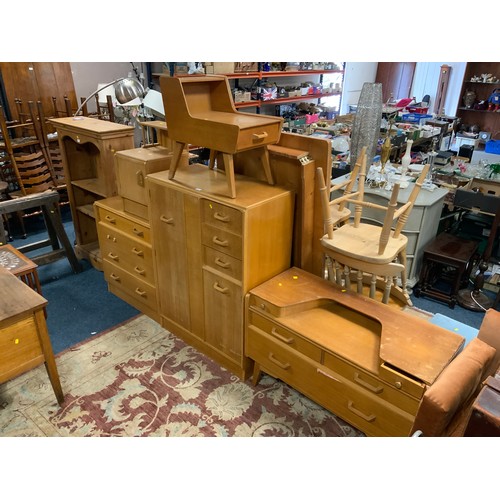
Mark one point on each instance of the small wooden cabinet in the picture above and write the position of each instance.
(210, 250)
(487, 120)
(127, 256)
(345, 351)
(88, 146)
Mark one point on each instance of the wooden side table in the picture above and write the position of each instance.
(19, 265)
(447, 258)
(24, 338)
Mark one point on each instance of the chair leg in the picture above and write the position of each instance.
(264, 158)
(211, 161)
(229, 169)
(176, 159)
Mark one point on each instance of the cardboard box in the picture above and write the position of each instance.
(221, 68)
(246, 67)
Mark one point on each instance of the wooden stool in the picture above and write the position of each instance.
(447, 258)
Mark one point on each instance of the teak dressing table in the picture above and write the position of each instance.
(368, 363)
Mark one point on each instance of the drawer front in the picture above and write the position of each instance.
(406, 384)
(259, 136)
(223, 263)
(221, 216)
(357, 406)
(138, 288)
(372, 415)
(285, 336)
(372, 384)
(127, 253)
(129, 227)
(223, 241)
(18, 344)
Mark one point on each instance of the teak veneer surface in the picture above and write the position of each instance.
(16, 298)
(90, 126)
(354, 325)
(202, 180)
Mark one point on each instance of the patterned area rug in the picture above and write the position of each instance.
(140, 380)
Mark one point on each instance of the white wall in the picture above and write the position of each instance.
(426, 80)
(87, 75)
(354, 76)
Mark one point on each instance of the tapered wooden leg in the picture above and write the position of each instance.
(229, 168)
(211, 161)
(256, 374)
(176, 158)
(264, 158)
(50, 363)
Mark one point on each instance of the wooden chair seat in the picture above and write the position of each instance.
(365, 252)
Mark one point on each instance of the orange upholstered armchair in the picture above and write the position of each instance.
(446, 406)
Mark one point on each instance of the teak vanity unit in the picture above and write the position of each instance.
(368, 363)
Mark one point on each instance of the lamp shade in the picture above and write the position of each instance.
(106, 90)
(128, 89)
(154, 101)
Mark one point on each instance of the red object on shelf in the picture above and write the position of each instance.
(402, 103)
(416, 109)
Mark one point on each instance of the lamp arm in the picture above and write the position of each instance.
(96, 92)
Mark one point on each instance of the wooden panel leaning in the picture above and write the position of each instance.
(200, 111)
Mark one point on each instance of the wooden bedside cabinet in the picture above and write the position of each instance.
(127, 255)
(24, 339)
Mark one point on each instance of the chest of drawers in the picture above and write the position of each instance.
(128, 266)
(345, 351)
(210, 250)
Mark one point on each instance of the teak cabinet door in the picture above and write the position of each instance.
(168, 226)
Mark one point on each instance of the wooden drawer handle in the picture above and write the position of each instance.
(112, 238)
(140, 253)
(138, 232)
(368, 418)
(114, 277)
(221, 243)
(140, 271)
(167, 220)
(112, 256)
(283, 366)
(110, 219)
(222, 217)
(140, 292)
(221, 263)
(321, 372)
(220, 289)
(278, 335)
(376, 389)
(260, 136)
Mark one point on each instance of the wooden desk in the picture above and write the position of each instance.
(24, 339)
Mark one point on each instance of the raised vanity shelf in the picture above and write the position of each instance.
(368, 363)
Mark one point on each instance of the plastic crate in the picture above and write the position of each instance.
(492, 147)
(417, 109)
(414, 117)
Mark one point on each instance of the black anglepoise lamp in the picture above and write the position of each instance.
(126, 89)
